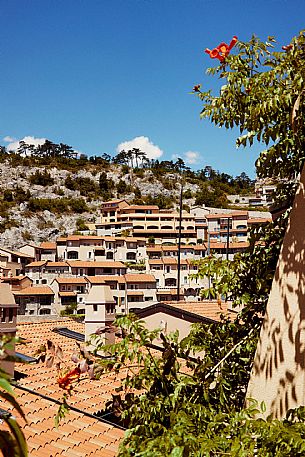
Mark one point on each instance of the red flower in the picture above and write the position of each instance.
(287, 48)
(197, 88)
(222, 50)
(66, 381)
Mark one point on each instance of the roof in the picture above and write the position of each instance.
(38, 263)
(34, 290)
(19, 254)
(100, 293)
(172, 310)
(79, 434)
(87, 264)
(15, 278)
(48, 245)
(209, 309)
(259, 220)
(135, 292)
(139, 278)
(67, 294)
(57, 264)
(6, 295)
(105, 278)
(70, 280)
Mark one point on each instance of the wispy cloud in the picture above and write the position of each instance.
(191, 157)
(9, 139)
(14, 145)
(144, 144)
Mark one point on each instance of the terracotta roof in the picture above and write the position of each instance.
(19, 254)
(67, 294)
(14, 278)
(38, 263)
(104, 264)
(257, 220)
(48, 245)
(169, 248)
(34, 290)
(105, 278)
(70, 280)
(135, 292)
(153, 249)
(169, 260)
(78, 435)
(57, 264)
(200, 247)
(142, 207)
(139, 278)
(209, 309)
(155, 262)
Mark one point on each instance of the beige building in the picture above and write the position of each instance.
(148, 221)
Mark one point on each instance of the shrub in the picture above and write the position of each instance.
(41, 178)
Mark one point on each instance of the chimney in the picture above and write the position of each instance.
(99, 311)
(8, 320)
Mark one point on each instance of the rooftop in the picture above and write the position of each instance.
(80, 434)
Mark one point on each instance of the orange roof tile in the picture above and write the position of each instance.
(48, 245)
(135, 292)
(57, 264)
(87, 264)
(38, 263)
(139, 278)
(35, 290)
(210, 309)
(70, 280)
(78, 434)
(105, 278)
(67, 294)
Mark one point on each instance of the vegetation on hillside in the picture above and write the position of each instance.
(213, 185)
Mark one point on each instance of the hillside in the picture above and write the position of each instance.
(43, 197)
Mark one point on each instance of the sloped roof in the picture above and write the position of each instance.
(139, 278)
(70, 280)
(48, 245)
(104, 264)
(79, 434)
(34, 290)
(38, 263)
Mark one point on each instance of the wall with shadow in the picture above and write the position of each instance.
(278, 374)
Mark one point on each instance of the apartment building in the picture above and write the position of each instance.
(35, 300)
(101, 248)
(129, 291)
(14, 262)
(148, 221)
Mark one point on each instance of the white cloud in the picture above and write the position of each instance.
(9, 139)
(27, 139)
(191, 157)
(144, 144)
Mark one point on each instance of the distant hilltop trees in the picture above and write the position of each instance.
(211, 186)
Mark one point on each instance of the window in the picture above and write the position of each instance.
(72, 255)
(3, 316)
(149, 298)
(95, 307)
(109, 255)
(43, 281)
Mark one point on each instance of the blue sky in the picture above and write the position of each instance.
(95, 74)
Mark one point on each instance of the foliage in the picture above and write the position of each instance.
(177, 405)
(58, 205)
(81, 225)
(41, 178)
